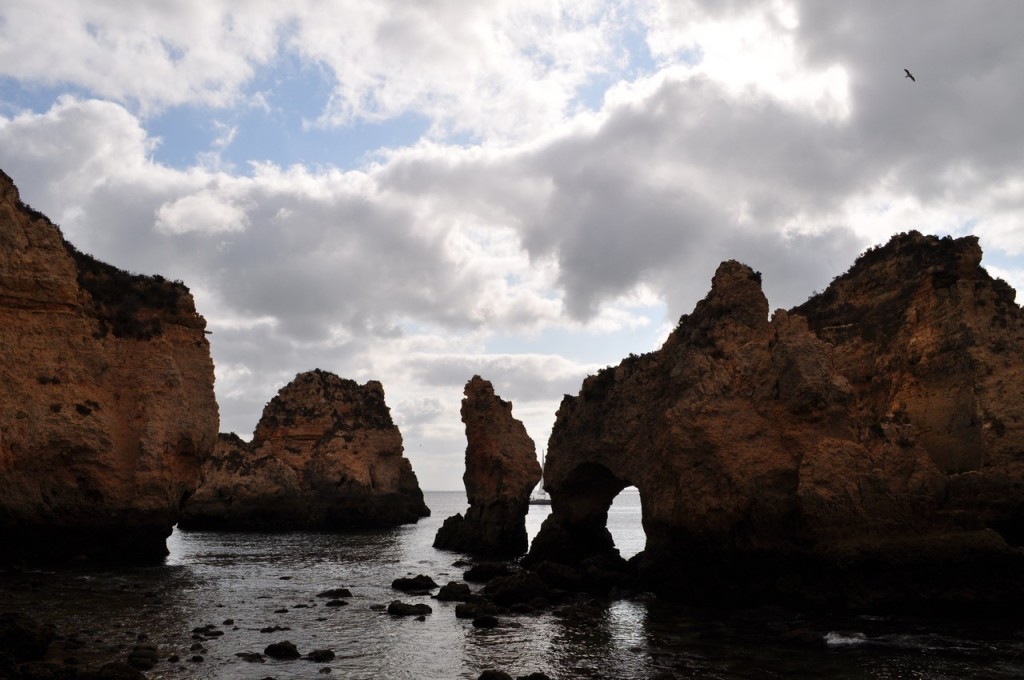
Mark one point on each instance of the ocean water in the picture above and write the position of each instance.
(242, 583)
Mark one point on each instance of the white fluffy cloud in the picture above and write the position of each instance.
(528, 238)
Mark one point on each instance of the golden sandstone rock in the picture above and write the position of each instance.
(107, 398)
(325, 455)
(501, 471)
(864, 448)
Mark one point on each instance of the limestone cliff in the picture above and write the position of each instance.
(501, 471)
(107, 398)
(859, 449)
(325, 455)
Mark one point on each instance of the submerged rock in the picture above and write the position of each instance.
(501, 471)
(862, 449)
(325, 455)
(106, 398)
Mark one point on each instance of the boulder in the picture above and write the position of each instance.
(22, 638)
(106, 398)
(501, 471)
(398, 608)
(860, 450)
(284, 650)
(325, 455)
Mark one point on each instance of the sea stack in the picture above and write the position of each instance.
(501, 471)
(860, 450)
(106, 398)
(325, 456)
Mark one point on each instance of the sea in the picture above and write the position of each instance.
(219, 595)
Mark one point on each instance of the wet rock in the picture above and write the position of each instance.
(420, 582)
(454, 592)
(522, 586)
(251, 657)
(485, 571)
(284, 650)
(534, 676)
(274, 629)
(22, 638)
(494, 675)
(118, 670)
(335, 593)
(477, 606)
(397, 608)
(336, 603)
(143, 657)
(320, 655)
(485, 621)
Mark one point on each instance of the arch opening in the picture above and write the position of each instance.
(625, 522)
(588, 504)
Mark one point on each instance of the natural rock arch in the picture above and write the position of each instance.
(801, 457)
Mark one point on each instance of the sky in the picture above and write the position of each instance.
(525, 190)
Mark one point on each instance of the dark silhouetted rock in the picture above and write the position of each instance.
(283, 650)
(335, 593)
(320, 655)
(485, 571)
(397, 608)
(501, 471)
(22, 638)
(418, 583)
(454, 592)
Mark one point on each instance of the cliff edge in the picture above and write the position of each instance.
(107, 398)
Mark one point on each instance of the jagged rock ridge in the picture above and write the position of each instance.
(107, 398)
(501, 471)
(864, 448)
(325, 455)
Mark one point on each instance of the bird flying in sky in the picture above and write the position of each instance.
(909, 75)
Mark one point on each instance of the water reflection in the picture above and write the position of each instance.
(258, 582)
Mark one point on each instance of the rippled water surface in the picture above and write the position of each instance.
(258, 581)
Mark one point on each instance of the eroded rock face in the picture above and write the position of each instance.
(501, 471)
(857, 450)
(325, 455)
(107, 398)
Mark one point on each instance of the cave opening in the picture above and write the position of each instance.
(602, 511)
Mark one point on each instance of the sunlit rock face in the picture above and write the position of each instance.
(325, 455)
(107, 398)
(863, 449)
(501, 471)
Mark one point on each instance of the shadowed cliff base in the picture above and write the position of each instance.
(862, 450)
(325, 456)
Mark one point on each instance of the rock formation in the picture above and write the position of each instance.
(107, 398)
(501, 470)
(325, 455)
(863, 449)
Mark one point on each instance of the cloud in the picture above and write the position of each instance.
(536, 229)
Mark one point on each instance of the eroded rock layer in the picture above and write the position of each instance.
(325, 455)
(107, 398)
(863, 449)
(501, 471)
